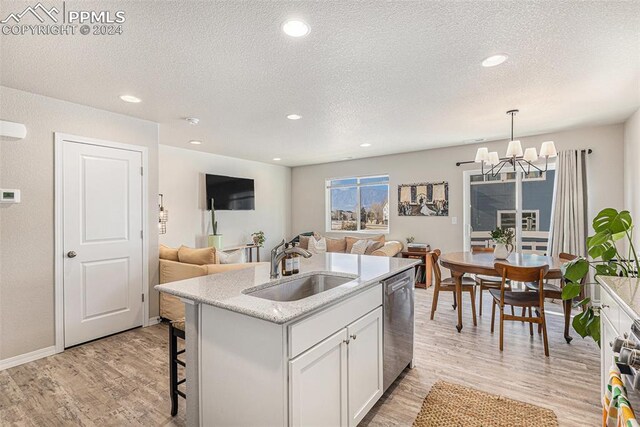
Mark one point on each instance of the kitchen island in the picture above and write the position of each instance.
(261, 352)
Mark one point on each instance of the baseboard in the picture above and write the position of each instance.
(153, 321)
(27, 357)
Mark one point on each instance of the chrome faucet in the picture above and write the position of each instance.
(277, 256)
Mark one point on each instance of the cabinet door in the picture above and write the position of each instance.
(364, 364)
(318, 384)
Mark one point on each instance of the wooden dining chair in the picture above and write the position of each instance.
(487, 282)
(554, 291)
(449, 284)
(529, 300)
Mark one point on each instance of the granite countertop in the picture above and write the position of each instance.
(626, 291)
(228, 290)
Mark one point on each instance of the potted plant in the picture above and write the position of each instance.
(611, 228)
(215, 239)
(503, 238)
(258, 238)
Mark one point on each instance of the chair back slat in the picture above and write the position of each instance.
(481, 249)
(437, 274)
(523, 274)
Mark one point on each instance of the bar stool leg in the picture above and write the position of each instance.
(173, 370)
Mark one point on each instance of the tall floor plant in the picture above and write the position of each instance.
(612, 229)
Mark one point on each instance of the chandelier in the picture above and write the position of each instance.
(514, 157)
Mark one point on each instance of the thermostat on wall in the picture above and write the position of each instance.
(9, 196)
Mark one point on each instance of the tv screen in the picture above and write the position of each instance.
(229, 193)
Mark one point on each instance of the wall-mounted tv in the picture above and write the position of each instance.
(229, 193)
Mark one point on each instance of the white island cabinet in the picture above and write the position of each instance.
(310, 361)
(322, 370)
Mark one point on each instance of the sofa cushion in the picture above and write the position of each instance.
(172, 271)
(351, 240)
(168, 253)
(304, 242)
(197, 256)
(336, 245)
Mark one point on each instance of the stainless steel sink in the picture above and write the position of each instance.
(297, 289)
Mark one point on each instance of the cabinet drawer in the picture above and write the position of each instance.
(310, 331)
(610, 308)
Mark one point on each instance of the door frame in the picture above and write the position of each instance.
(59, 140)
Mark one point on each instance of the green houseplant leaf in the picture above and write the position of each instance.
(610, 226)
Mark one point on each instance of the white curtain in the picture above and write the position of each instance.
(569, 211)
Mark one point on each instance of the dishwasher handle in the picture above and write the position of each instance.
(397, 285)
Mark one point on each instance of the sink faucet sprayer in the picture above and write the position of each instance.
(277, 256)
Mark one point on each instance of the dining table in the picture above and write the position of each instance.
(461, 263)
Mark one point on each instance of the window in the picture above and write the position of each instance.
(358, 204)
(513, 200)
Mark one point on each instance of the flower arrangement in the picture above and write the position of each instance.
(503, 235)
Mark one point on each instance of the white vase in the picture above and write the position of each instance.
(502, 251)
(215, 241)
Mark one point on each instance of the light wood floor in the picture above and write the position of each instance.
(123, 380)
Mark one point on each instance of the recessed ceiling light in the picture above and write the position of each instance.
(294, 117)
(494, 60)
(130, 98)
(347, 158)
(365, 144)
(192, 120)
(277, 159)
(295, 28)
(473, 141)
(195, 142)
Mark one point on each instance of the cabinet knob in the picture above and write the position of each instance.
(604, 306)
(346, 341)
(353, 337)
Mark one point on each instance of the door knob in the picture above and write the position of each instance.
(71, 254)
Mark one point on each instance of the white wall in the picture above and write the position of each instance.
(27, 245)
(632, 172)
(182, 183)
(605, 182)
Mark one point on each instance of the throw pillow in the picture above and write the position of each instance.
(197, 256)
(235, 257)
(352, 240)
(168, 253)
(360, 247)
(373, 246)
(317, 246)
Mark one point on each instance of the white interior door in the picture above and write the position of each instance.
(102, 227)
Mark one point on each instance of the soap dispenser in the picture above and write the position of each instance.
(296, 262)
(287, 263)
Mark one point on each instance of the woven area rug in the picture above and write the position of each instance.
(455, 405)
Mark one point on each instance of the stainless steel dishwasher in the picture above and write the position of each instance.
(397, 325)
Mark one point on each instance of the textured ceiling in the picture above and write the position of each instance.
(402, 76)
